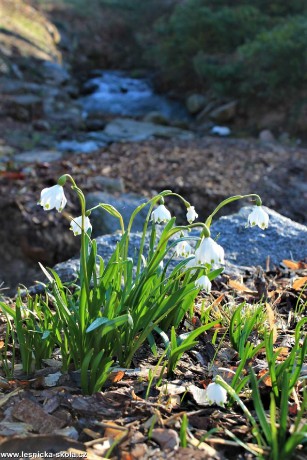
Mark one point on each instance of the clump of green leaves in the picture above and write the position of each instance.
(271, 428)
(102, 318)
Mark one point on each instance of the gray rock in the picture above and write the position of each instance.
(11, 86)
(54, 73)
(266, 136)
(126, 203)
(100, 137)
(195, 103)
(244, 247)
(225, 112)
(107, 184)
(38, 156)
(25, 107)
(156, 117)
(283, 239)
(79, 147)
(125, 129)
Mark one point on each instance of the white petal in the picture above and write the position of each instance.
(209, 252)
(191, 214)
(183, 249)
(203, 283)
(161, 214)
(258, 217)
(76, 225)
(53, 197)
(216, 394)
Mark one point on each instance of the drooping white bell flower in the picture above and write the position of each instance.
(53, 197)
(76, 225)
(216, 394)
(203, 283)
(209, 252)
(183, 249)
(161, 214)
(193, 263)
(191, 214)
(259, 217)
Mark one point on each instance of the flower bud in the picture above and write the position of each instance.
(62, 180)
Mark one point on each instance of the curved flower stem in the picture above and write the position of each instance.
(83, 256)
(111, 210)
(185, 202)
(150, 202)
(230, 200)
(138, 268)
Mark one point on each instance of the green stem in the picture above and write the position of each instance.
(151, 202)
(83, 255)
(230, 200)
(218, 379)
(105, 206)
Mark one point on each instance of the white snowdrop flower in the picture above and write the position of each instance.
(203, 283)
(209, 252)
(191, 214)
(183, 249)
(53, 197)
(216, 394)
(161, 214)
(76, 225)
(258, 217)
(193, 263)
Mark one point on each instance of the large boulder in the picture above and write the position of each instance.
(283, 239)
(27, 38)
(244, 247)
(125, 129)
(125, 203)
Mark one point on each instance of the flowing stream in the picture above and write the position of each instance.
(115, 93)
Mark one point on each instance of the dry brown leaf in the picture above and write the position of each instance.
(267, 379)
(271, 320)
(115, 431)
(117, 376)
(294, 265)
(299, 283)
(240, 287)
(283, 353)
(32, 413)
(218, 300)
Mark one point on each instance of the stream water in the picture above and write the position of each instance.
(116, 93)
